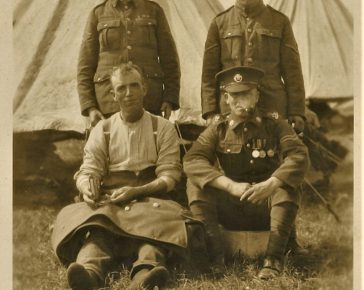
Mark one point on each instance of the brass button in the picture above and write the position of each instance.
(98, 79)
(129, 47)
(251, 161)
(229, 33)
(248, 145)
(156, 204)
(127, 208)
(245, 129)
(228, 150)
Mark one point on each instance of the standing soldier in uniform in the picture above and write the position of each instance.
(119, 31)
(262, 163)
(252, 34)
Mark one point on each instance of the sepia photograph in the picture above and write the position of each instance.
(183, 144)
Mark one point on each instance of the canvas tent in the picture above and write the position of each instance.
(47, 36)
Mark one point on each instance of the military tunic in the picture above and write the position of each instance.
(260, 37)
(250, 151)
(136, 31)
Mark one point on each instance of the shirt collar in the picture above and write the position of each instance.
(250, 11)
(255, 119)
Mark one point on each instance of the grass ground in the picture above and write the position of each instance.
(329, 265)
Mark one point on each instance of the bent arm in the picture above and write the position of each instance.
(210, 67)
(87, 64)
(295, 160)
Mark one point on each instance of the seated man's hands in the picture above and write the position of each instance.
(237, 189)
(95, 116)
(257, 193)
(125, 194)
(90, 195)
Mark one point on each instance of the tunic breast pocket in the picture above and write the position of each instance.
(231, 45)
(269, 42)
(109, 34)
(229, 148)
(146, 31)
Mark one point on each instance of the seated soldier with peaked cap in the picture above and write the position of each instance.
(131, 161)
(262, 162)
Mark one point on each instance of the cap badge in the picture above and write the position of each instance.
(238, 78)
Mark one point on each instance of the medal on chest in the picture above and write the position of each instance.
(270, 153)
(255, 152)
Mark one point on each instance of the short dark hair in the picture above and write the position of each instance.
(125, 68)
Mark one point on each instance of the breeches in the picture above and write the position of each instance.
(236, 215)
(103, 251)
(276, 214)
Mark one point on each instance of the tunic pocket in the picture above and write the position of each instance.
(109, 34)
(269, 44)
(231, 44)
(145, 29)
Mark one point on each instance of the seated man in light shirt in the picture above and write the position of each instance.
(131, 162)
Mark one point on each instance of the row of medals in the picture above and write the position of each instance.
(258, 151)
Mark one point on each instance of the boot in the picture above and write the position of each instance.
(272, 267)
(293, 246)
(81, 279)
(147, 279)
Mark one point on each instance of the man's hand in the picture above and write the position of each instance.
(87, 194)
(210, 118)
(125, 194)
(312, 118)
(297, 123)
(95, 116)
(166, 110)
(257, 193)
(237, 189)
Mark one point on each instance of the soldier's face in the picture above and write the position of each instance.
(129, 91)
(247, 2)
(242, 104)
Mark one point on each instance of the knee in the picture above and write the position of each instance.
(203, 211)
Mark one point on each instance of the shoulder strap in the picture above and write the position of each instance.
(106, 128)
(155, 128)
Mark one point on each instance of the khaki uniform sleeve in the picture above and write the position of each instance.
(169, 160)
(87, 64)
(210, 67)
(295, 160)
(199, 161)
(292, 72)
(169, 61)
